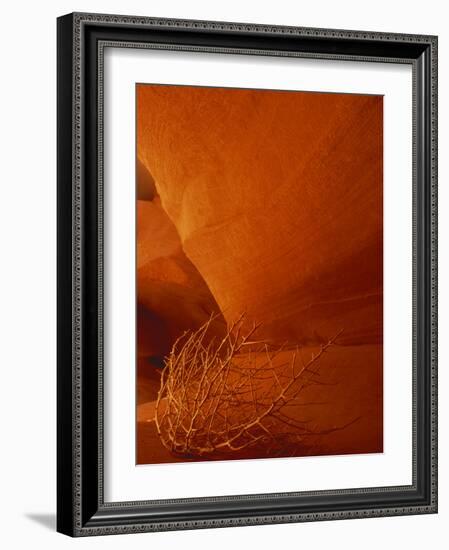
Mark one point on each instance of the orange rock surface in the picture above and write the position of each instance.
(277, 199)
(172, 295)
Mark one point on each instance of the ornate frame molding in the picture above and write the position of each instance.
(75, 502)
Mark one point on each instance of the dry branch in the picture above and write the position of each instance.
(228, 395)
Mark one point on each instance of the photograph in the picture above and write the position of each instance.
(247, 256)
(222, 304)
(259, 273)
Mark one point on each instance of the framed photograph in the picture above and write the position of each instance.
(247, 279)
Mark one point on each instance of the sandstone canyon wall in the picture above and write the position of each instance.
(265, 203)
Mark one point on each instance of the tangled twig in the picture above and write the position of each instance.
(224, 396)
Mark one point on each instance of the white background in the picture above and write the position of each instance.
(27, 229)
(123, 480)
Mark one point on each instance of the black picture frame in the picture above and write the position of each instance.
(81, 509)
